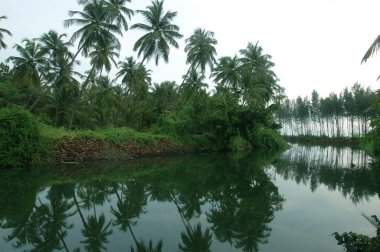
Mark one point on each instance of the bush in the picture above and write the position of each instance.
(264, 138)
(19, 138)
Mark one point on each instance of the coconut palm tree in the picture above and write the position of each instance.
(227, 72)
(118, 12)
(2, 31)
(27, 65)
(200, 49)
(27, 69)
(161, 33)
(96, 28)
(193, 84)
(135, 77)
(104, 54)
(372, 49)
(258, 67)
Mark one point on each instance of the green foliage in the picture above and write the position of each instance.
(177, 125)
(354, 242)
(43, 79)
(118, 136)
(19, 138)
(264, 138)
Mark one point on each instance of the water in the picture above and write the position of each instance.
(286, 202)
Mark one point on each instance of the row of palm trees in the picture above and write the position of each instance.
(345, 114)
(43, 76)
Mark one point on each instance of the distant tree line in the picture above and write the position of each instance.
(346, 114)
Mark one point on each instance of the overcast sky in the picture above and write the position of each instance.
(315, 44)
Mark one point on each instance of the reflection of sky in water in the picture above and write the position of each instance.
(305, 223)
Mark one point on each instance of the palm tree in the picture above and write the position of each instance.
(193, 84)
(258, 68)
(2, 31)
(118, 11)
(27, 65)
(96, 28)
(200, 49)
(103, 55)
(27, 68)
(135, 77)
(372, 49)
(226, 73)
(160, 33)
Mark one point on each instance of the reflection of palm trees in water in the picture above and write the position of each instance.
(131, 201)
(95, 230)
(194, 240)
(46, 226)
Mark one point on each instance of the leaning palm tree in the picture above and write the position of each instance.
(161, 33)
(2, 31)
(102, 56)
(372, 49)
(200, 49)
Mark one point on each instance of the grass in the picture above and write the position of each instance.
(117, 136)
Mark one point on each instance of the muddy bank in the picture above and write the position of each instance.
(81, 149)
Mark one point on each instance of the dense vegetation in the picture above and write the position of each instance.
(44, 79)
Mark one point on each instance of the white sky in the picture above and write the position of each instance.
(315, 44)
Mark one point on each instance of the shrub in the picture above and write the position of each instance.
(269, 139)
(19, 138)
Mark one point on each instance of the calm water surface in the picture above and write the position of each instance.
(292, 201)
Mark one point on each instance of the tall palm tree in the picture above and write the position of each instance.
(27, 70)
(2, 31)
(95, 29)
(103, 55)
(161, 33)
(200, 49)
(54, 46)
(28, 64)
(135, 77)
(118, 12)
(193, 84)
(257, 67)
(226, 73)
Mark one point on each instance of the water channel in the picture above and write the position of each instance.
(291, 201)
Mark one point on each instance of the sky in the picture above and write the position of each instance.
(315, 44)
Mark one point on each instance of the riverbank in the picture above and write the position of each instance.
(116, 144)
(353, 142)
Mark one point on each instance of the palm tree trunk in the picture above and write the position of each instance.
(85, 83)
